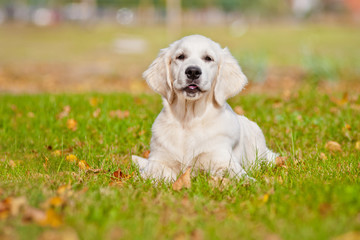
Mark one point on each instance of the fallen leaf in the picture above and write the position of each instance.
(56, 202)
(333, 146)
(65, 112)
(342, 101)
(56, 153)
(280, 161)
(119, 175)
(265, 198)
(119, 114)
(30, 115)
(183, 181)
(357, 145)
(197, 234)
(71, 124)
(94, 101)
(61, 234)
(354, 235)
(323, 156)
(239, 110)
(12, 163)
(33, 215)
(146, 154)
(71, 158)
(52, 219)
(96, 113)
(11, 206)
(83, 165)
(63, 190)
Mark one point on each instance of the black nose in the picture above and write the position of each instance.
(193, 72)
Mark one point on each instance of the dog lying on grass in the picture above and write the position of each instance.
(197, 128)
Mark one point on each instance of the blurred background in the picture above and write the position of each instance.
(105, 45)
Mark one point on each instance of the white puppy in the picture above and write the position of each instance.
(196, 127)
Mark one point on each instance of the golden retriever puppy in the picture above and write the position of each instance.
(197, 128)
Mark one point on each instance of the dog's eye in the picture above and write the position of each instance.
(208, 59)
(181, 57)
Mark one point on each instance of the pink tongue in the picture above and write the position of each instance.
(192, 86)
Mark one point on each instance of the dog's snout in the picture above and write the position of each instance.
(193, 72)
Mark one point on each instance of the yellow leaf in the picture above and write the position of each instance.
(71, 124)
(183, 181)
(56, 153)
(83, 165)
(94, 101)
(333, 146)
(63, 189)
(357, 145)
(52, 219)
(71, 158)
(265, 198)
(355, 235)
(56, 201)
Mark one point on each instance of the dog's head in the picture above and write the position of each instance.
(194, 66)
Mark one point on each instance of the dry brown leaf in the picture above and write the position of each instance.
(83, 165)
(280, 161)
(119, 114)
(65, 112)
(239, 110)
(71, 124)
(61, 234)
(12, 163)
(323, 156)
(184, 181)
(30, 115)
(33, 215)
(146, 154)
(11, 206)
(197, 234)
(333, 146)
(71, 158)
(119, 177)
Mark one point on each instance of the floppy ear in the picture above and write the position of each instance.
(158, 76)
(230, 80)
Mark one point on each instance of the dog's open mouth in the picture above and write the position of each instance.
(192, 88)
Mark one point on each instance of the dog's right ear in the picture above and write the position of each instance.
(158, 75)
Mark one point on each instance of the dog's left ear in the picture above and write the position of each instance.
(230, 80)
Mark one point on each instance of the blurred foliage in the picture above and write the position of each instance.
(261, 6)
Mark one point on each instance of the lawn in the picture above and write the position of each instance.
(65, 169)
(315, 195)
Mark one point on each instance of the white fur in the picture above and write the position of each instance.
(200, 130)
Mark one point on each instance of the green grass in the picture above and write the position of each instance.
(310, 199)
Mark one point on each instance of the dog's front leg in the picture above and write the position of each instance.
(150, 168)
